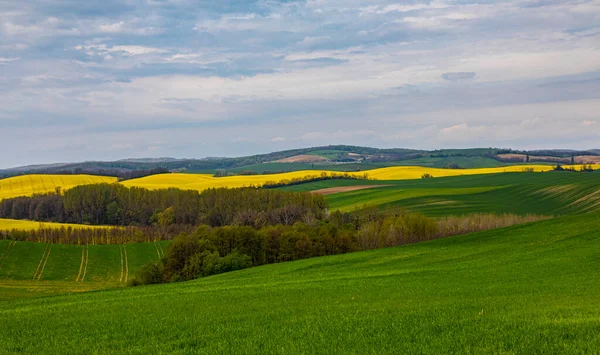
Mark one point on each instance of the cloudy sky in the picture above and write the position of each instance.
(83, 80)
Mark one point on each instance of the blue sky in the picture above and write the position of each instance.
(86, 80)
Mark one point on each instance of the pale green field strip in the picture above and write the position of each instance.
(356, 199)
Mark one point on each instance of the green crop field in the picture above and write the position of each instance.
(38, 269)
(551, 193)
(525, 289)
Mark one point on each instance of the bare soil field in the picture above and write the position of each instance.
(587, 159)
(580, 159)
(335, 190)
(303, 158)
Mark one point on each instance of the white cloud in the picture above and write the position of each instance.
(132, 50)
(4, 60)
(112, 27)
(278, 139)
(374, 9)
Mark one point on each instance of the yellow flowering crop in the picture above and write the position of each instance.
(27, 185)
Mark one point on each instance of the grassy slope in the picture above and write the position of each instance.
(525, 289)
(540, 193)
(18, 267)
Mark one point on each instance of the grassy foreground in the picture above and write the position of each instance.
(526, 289)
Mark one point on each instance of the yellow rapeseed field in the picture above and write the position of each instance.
(415, 172)
(10, 224)
(204, 181)
(28, 185)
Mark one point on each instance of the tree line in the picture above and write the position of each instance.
(314, 178)
(117, 205)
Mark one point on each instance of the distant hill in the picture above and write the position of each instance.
(338, 157)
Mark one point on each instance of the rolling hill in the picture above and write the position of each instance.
(204, 181)
(553, 193)
(333, 157)
(529, 289)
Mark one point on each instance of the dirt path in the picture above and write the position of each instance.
(157, 251)
(37, 270)
(121, 254)
(335, 190)
(45, 262)
(126, 264)
(87, 258)
(82, 262)
(6, 253)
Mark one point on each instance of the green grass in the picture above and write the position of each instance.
(21, 267)
(549, 193)
(525, 290)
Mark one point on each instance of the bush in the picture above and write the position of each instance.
(151, 273)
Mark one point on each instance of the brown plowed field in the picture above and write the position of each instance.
(580, 159)
(335, 190)
(303, 158)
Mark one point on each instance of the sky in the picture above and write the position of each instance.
(105, 80)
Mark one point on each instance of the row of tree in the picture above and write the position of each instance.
(585, 168)
(115, 204)
(97, 236)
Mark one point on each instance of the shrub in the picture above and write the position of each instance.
(151, 273)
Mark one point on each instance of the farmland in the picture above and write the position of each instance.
(554, 193)
(37, 269)
(9, 224)
(204, 181)
(525, 289)
(27, 185)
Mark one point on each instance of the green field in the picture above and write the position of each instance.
(525, 289)
(38, 269)
(552, 193)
